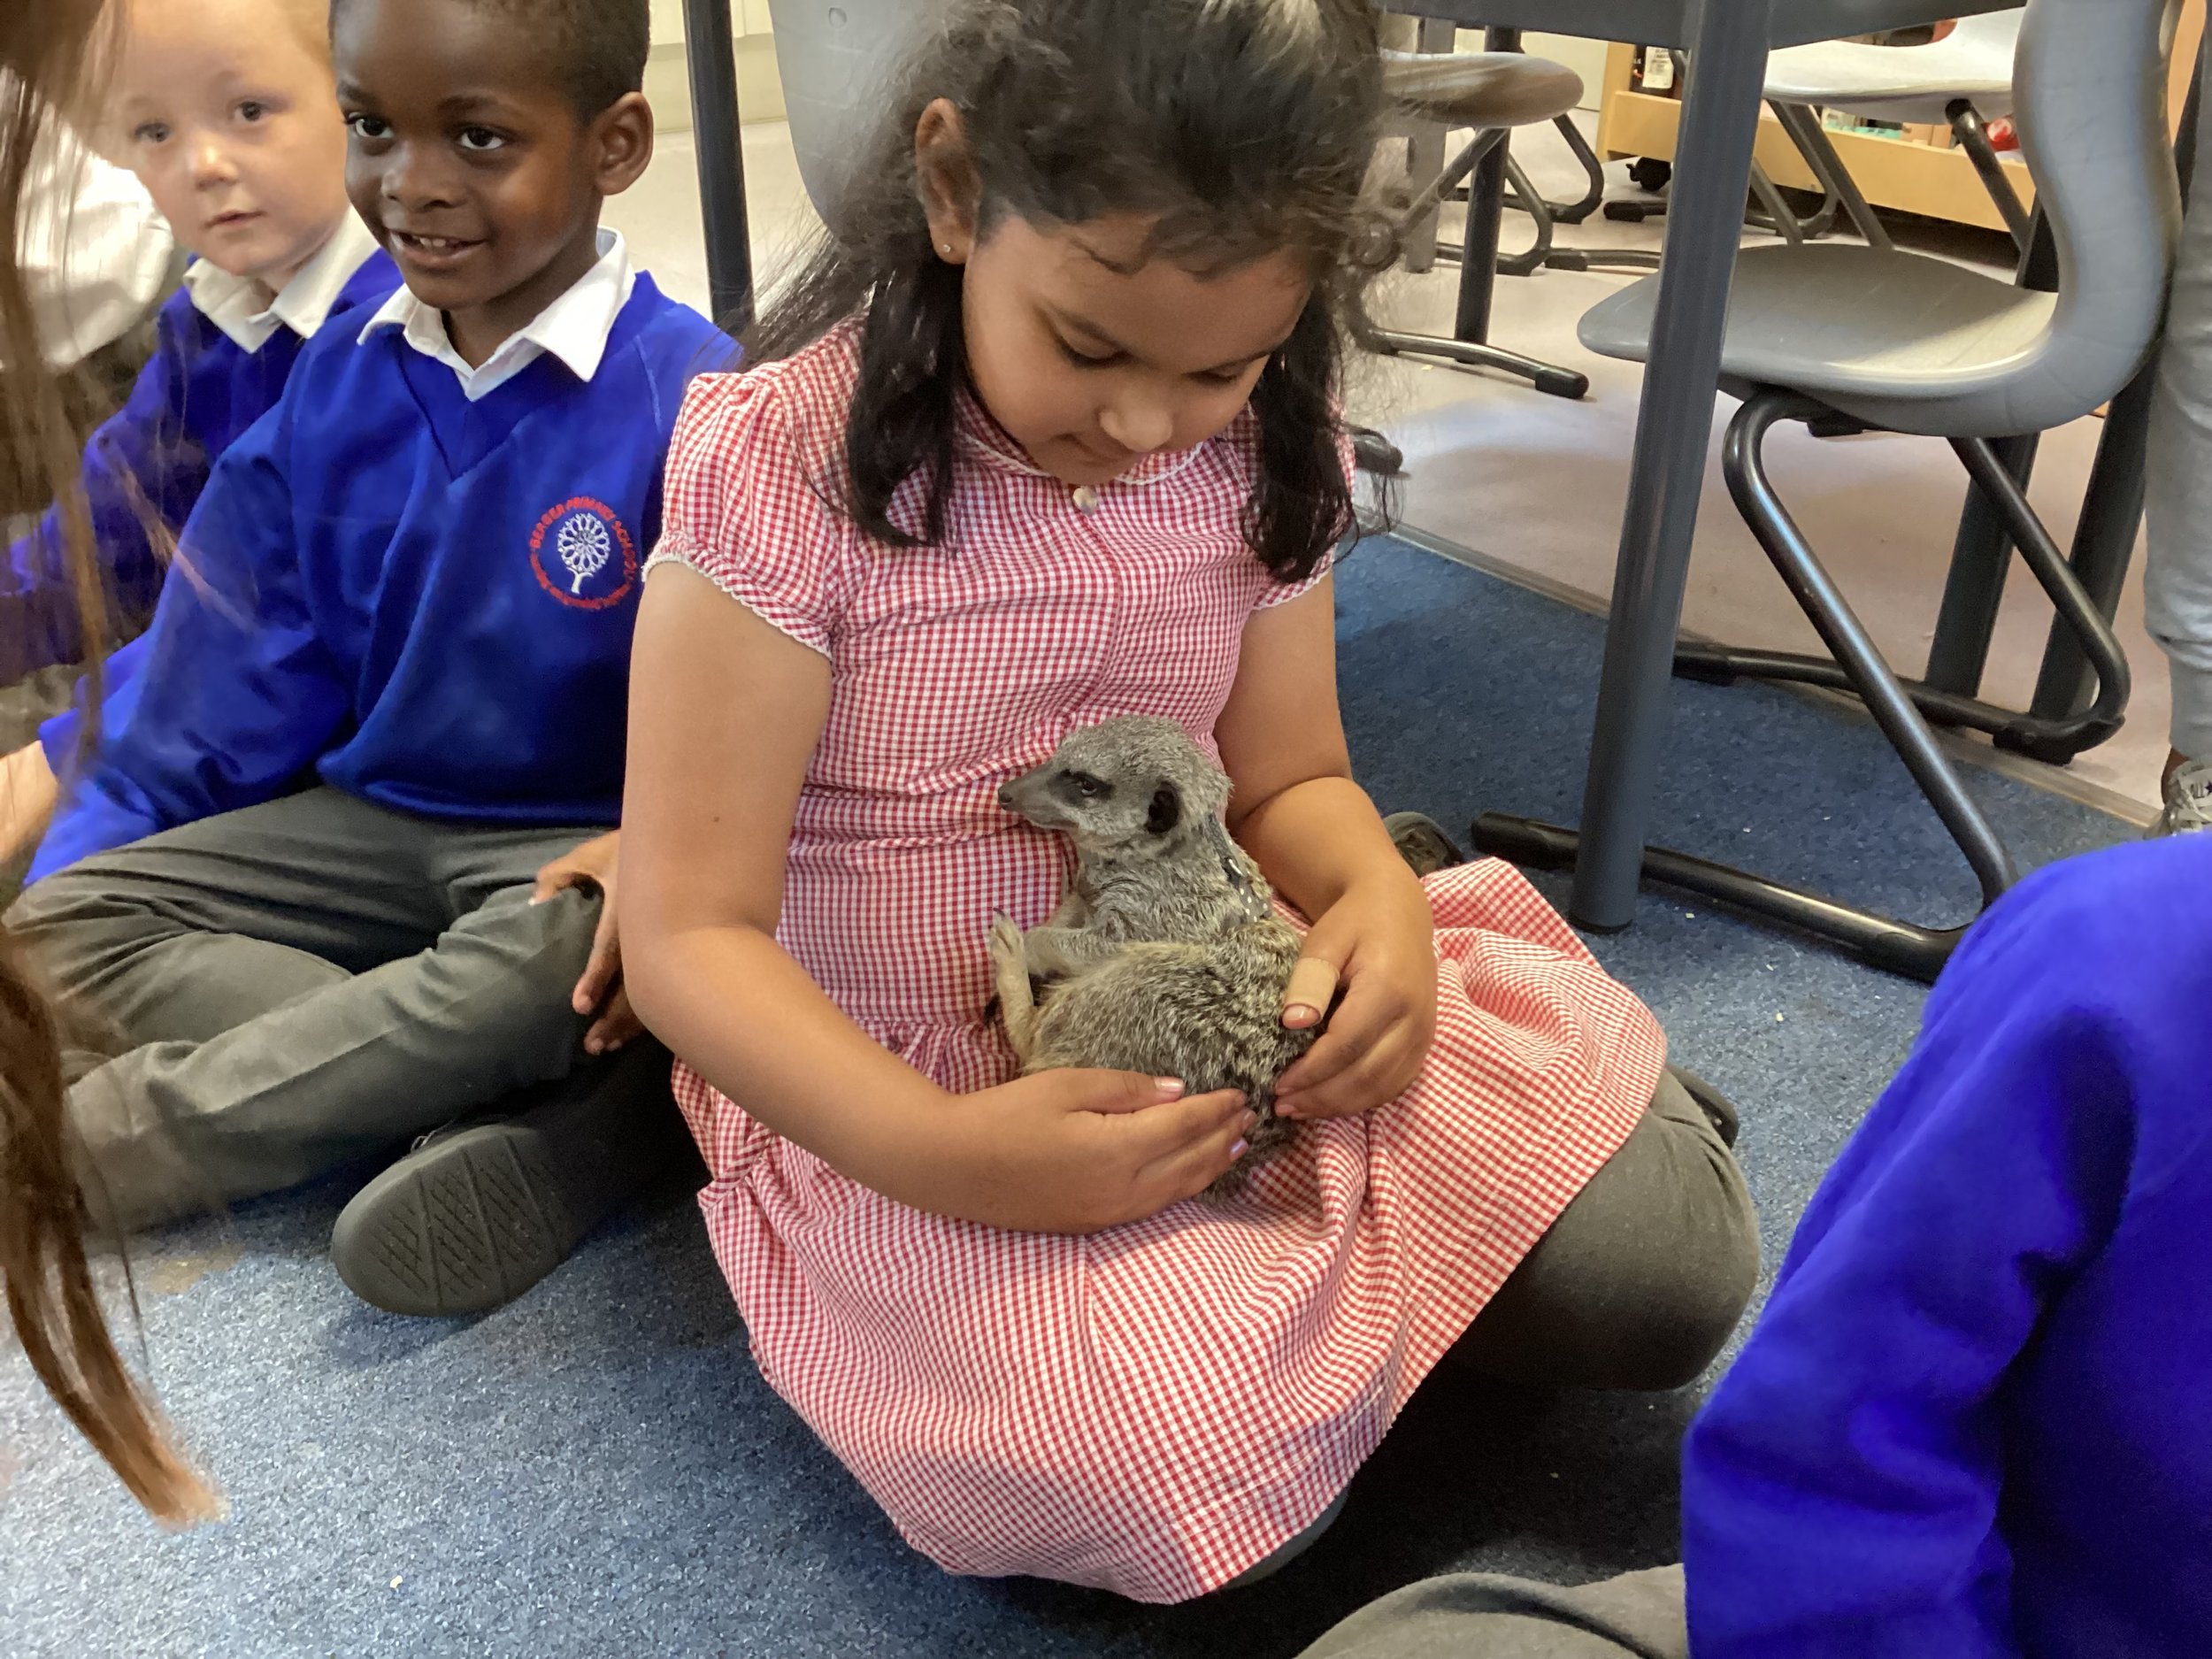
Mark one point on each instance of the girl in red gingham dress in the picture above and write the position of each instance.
(1047, 436)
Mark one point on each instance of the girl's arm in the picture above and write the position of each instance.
(725, 711)
(1319, 841)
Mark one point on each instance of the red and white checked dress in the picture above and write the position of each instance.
(1155, 1409)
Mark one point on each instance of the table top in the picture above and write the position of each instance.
(1668, 22)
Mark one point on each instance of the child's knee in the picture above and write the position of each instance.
(1641, 1281)
(1683, 1284)
(542, 945)
(1686, 1306)
(67, 922)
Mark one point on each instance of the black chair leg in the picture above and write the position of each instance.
(1842, 191)
(1973, 138)
(1468, 347)
(2054, 739)
(1898, 947)
(1527, 198)
(1901, 947)
(1743, 463)
(2042, 737)
(1593, 196)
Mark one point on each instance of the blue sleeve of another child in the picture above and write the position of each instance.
(118, 693)
(138, 464)
(1841, 1493)
(237, 697)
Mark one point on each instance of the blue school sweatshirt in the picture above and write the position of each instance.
(1976, 1418)
(419, 600)
(198, 392)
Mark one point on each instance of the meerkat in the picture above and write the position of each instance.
(1167, 955)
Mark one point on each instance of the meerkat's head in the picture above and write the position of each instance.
(1136, 783)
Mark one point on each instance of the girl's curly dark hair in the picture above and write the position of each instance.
(1240, 128)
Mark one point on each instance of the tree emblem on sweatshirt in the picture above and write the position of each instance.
(584, 547)
(583, 557)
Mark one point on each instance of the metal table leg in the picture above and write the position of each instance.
(1720, 119)
(711, 58)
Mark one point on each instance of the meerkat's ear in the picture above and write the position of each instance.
(1167, 811)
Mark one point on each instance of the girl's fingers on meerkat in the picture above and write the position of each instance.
(1190, 1170)
(1174, 1131)
(1352, 1035)
(1383, 1074)
(1312, 988)
(1097, 1090)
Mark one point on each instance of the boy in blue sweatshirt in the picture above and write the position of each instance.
(232, 123)
(392, 693)
(1975, 1421)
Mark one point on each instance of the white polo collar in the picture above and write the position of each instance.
(241, 307)
(573, 329)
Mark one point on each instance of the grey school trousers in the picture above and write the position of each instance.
(1484, 1616)
(2178, 568)
(1640, 1281)
(256, 999)
(1637, 1286)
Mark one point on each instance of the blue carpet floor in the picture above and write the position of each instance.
(599, 1470)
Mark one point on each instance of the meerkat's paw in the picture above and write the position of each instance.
(1006, 944)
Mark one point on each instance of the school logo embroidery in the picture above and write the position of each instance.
(582, 554)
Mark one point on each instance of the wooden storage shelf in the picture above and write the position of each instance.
(1894, 173)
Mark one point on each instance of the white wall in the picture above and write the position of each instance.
(750, 16)
(760, 93)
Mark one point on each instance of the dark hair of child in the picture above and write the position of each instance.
(1242, 128)
(599, 46)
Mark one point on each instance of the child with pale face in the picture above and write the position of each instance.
(230, 115)
(227, 111)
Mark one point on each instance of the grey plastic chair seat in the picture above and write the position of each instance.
(1915, 84)
(1899, 339)
(1479, 89)
(1915, 344)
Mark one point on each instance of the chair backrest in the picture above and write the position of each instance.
(838, 63)
(1996, 32)
(2090, 79)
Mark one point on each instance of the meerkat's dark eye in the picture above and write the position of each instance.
(1086, 787)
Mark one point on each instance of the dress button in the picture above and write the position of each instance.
(1085, 498)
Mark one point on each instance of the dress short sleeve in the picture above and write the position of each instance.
(748, 505)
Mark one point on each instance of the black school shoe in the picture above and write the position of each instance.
(1421, 841)
(1719, 1110)
(477, 1213)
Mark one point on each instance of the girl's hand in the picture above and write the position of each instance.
(1076, 1151)
(1378, 943)
(600, 991)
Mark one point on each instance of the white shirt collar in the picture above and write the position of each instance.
(235, 304)
(573, 329)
